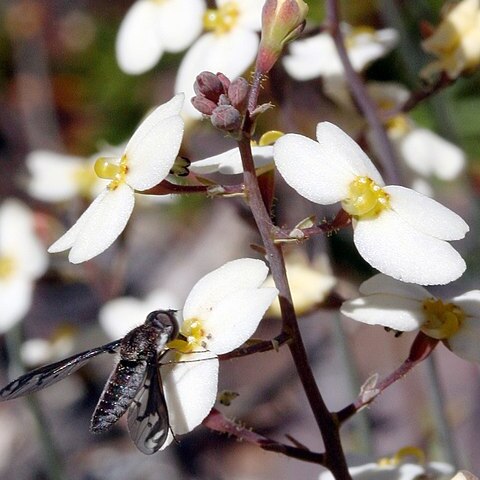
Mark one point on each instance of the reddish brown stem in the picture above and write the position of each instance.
(217, 422)
(421, 348)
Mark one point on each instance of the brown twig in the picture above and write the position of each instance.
(217, 422)
(421, 348)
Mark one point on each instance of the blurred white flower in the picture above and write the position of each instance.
(55, 177)
(397, 230)
(230, 162)
(146, 161)
(317, 56)
(221, 312)
(22, 260)
(456, 41)
(425, 152)
(405, 308)
(120, 315)
(310, 283)
(407, 464)
(229, 46)
(152, 27)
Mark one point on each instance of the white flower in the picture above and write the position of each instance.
(55, 177)
(22, 260)
(310, 283)
(151, 27)
(403, 307)
(425, 152)
(120, 315)
(456, 41)
(228, 47)
(397, 230)
(407, 464)
(317, 56)
(221, 312)
(230, 162)
(146, 161)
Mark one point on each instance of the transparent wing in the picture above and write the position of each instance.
(43, 377)
(148, 415)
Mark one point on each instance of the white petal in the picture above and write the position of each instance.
(15, 300)
(230, 162)
(387, 285)
(231, 54)
(368, 47)
(465, 343)
(313, 57)
(241, 274)
(154, 146)
(18, 239)
(190, 389)
(399, 313)
(314, 175)
(395, 248)
(425, 214)
(250, 13)
(139, 45)
(117, 317)
(469, 302)
(99, 225)
(52, 175)
(180, 23)
(341, 148)
(429, 154)
(235, 318)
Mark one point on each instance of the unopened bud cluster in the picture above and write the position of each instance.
(224, 101)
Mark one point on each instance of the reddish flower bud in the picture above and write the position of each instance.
(238, 93)
(226, 117)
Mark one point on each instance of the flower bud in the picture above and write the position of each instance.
(226, 117)
(207, 84)
(282, 22)
(203, 105)
(238, 93)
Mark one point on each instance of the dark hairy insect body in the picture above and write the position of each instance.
(134, 384)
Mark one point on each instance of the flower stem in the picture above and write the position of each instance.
(329, 428)
(52, 456)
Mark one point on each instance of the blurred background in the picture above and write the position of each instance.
(62, 91)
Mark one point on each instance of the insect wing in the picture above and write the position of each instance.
(43, 377)
(148, 415)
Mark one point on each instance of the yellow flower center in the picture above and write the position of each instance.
(85, 179)
(351, 37)
(401, 455)
(109, 169)
(270, 137)
(398, 125)
(366, 199)
(7, 266)
(441, 320)
(221, 20)
(194, 334)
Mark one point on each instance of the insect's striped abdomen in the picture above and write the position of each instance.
(119, 392)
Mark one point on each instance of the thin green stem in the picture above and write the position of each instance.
(13, 340)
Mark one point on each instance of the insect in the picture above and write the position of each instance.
(134, 384)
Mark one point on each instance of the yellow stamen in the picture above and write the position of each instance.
(221, 20)
(85, 179)
(7, 266)
(108, 168)
(366, 199)
(441, 320)
(351, 37)
(398, 124)
(401, 456)
(270, 137)
(194, 334)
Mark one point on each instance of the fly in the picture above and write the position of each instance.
(134, 384)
